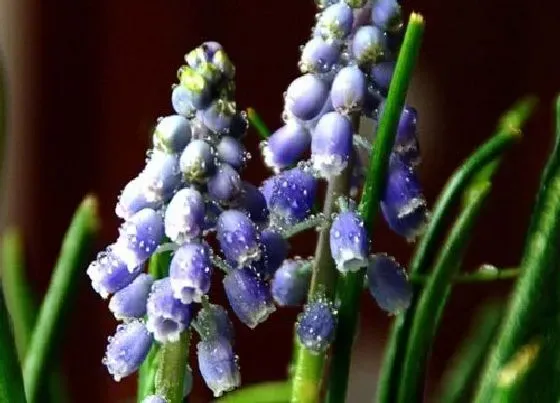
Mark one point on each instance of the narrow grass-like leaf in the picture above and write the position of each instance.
(11, 385)
(508, 133)
(266, 392)
(349, 287)
(22, 307)
(534, 308)
(58, 300)
(256, 121)
(172, 365)
(461, 375)
(437, 289)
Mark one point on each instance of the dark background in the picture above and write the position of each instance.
(87, 80)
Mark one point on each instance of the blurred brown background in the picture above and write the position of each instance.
(87, 80)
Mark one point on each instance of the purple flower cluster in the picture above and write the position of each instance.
(191, 187)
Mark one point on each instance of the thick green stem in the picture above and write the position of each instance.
(350, 286)
(57, 302)
(308, 368)
(437, 289)
(170, 375)
(529, 316)
(267, 392)
(11, 384)
(508, 132)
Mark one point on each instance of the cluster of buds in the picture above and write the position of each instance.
(191, 188)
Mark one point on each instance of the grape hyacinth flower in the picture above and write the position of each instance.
(335, 22)
(253, 202)
(184, 216)
(349, 242)
(403, 205)
(167, 317)
(286, 146)
(139, 237)
(130, 302)
(238, 238)
(290, 195)
(386, 14)
(218, 365)
(274, 249)
(232, 152)
(109, 274)
(290, 283)
(154, 399)
(172, 134)
(248, 296)
(348, 90)
(225, 185)
(368, 45)
(190, 272)
(198, 161)
(213, 321)
(316, 326)
(388, 284)
(305, 97)
(331, 145)
(319, 56)
(127, 349)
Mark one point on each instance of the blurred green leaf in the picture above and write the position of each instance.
(59, 298)
(266, 392)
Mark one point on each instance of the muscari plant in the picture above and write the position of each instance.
(190, 216)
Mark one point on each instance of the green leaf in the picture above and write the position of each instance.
(256, 121)
(432, 298)
(534, 308)
(508, 132)
(350, 286)
(22, 307)
(58, 300)
(462, 373)
(266, 392)
(11, 385)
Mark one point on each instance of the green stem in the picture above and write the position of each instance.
(480, 276)
(22, 307)
(529, 316)
(350, 286)
(308, 370)
(267, 392)
(11, 384)
(507, 134)
(458, 380)
(170, 375)
(317, 221)
(57, 301)
(258, 123)
(157, 268)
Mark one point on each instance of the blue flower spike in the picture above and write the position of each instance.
(315, 327)
(218, 365)
(249, 296)
(349, 242)
(127, 349)
(238, 238)
(130, 302)
(190, 272)
(388, 284)
(291, 282)
(168, 317)
(184, 216)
